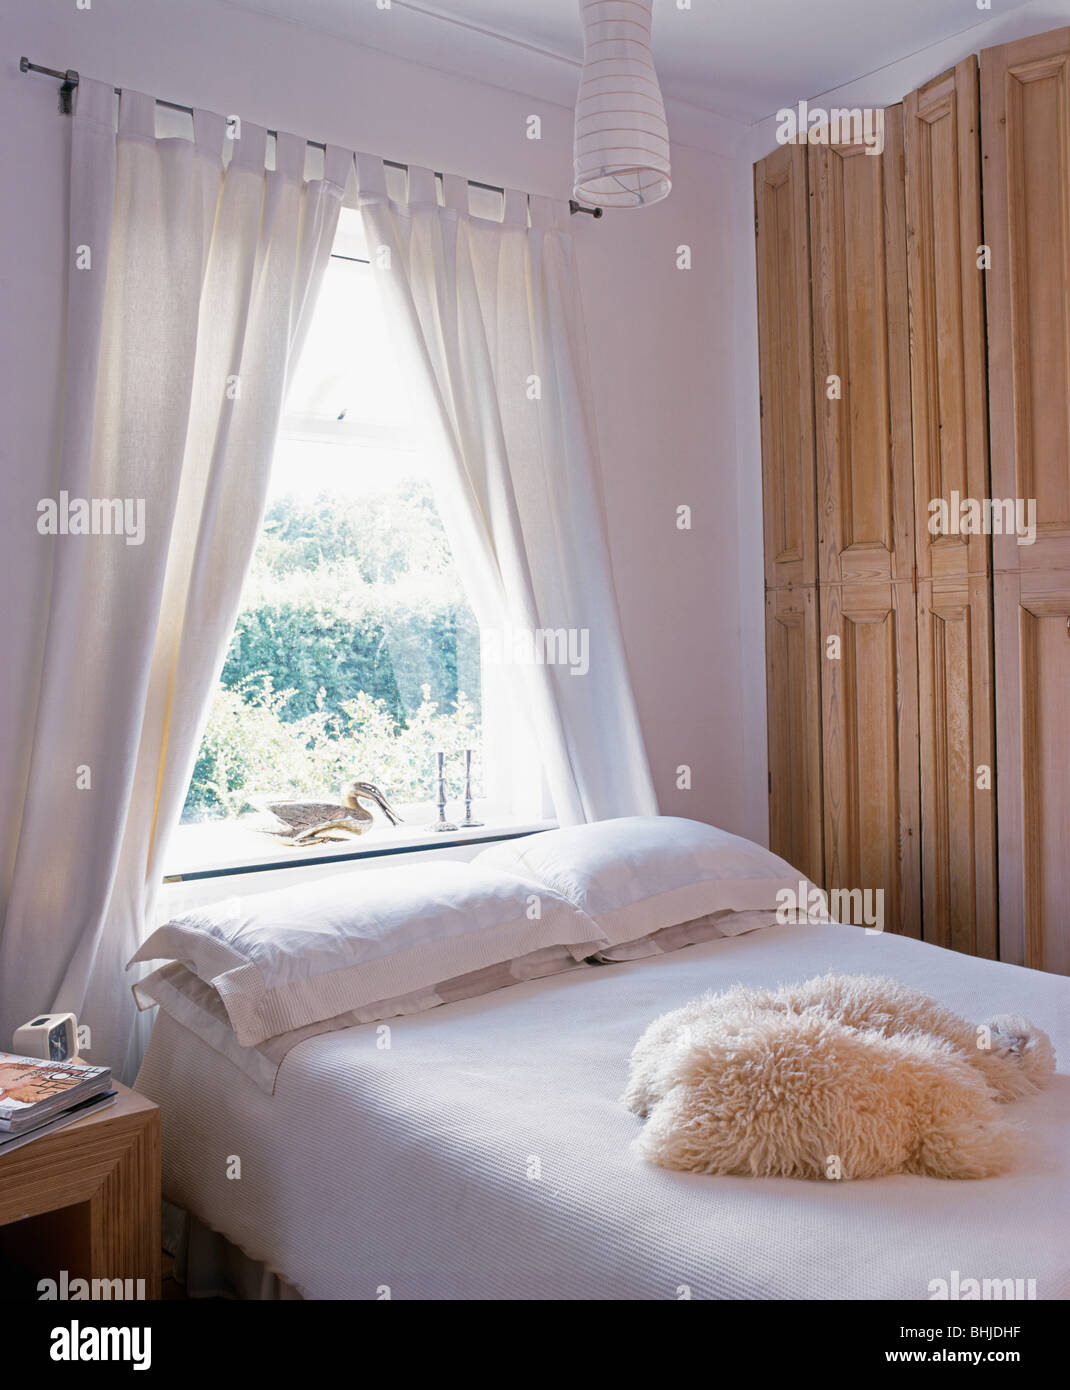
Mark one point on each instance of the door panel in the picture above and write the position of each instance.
(786, 367)
(870, 739)
(790, 509)
(794, 703)
(1025, 94)
(1025, 119)
(869, 691)
(949, 399)
(864, 471)
(957, 746)
(950, 436)
(1044, 683)
(1033, 741)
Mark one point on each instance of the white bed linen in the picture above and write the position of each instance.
(412, 1167)
(360, 937)
(636, 875)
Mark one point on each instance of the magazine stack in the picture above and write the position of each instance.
(37, 1097)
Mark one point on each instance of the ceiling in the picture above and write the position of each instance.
(740, 59)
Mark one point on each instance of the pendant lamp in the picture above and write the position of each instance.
(622, 141)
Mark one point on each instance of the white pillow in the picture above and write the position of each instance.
(714, 926)
(198, 1007)
(639, 874)
(307, 953)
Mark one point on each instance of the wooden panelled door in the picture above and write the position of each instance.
(919, 674)
(1025, 119)
(792, 680)
(949, 408)
(786, 368)
(869, 678)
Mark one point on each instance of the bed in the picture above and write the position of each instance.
(479, 1150)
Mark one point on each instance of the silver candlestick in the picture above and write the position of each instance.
(442, 823)
(468, 823)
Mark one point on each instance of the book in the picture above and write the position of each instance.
(9, 1142)
(32, 1090)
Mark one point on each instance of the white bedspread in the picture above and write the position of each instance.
(484, 1154)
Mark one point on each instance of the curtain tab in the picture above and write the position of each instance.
(337, 163)
(514, 208)
(423, 187)
(371, 179)
(94, 103)
(290, 151)
(137, 115)
(249, 146)
(549, 214)
(455, 192)
(209, 132)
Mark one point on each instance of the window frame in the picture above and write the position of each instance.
(413, 837)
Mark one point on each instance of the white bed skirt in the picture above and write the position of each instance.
(208, 1265)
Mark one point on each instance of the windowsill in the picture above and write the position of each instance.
(218, 849)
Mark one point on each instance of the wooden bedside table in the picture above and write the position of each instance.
(86, 1198)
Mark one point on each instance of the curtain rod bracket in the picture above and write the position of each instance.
(70, 79)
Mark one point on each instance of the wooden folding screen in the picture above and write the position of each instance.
(1025, 114)
(795, 802)
(950, 426)
(914, 352)
(869, 698)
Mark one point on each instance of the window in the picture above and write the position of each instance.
(356, 653)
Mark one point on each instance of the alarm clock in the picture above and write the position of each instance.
(52, 1036)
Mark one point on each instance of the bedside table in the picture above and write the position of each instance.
(86, 1199)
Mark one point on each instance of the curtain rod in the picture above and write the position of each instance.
(70, 80)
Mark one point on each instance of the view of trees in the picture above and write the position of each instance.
(355, 655)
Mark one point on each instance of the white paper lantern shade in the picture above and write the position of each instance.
(622, 141)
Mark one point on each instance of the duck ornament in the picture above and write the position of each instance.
(319, 822)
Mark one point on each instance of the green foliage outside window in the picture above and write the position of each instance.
(355, 654)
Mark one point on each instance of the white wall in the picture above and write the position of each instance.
(662, 363)
(660, 343)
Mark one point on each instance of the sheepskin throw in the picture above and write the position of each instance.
(844, 1076)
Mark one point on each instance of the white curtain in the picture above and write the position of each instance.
(191, 281)
(489, 314)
